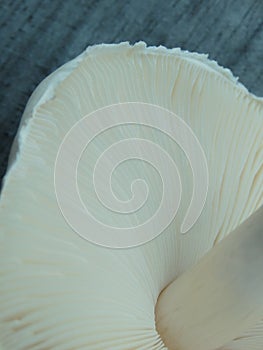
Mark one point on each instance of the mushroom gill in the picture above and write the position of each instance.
(60, 291)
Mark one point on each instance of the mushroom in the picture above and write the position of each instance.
(60, 291)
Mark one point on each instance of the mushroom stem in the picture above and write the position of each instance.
(220, 297)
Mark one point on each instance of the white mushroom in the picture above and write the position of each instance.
(59, 291)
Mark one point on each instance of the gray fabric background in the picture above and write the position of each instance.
(38, 36)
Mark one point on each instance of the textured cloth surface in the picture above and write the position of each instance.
(38, 36)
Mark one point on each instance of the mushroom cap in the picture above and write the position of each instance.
(59, 291)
